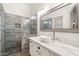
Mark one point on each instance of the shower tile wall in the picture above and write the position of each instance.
(2, 28)
(12, 32)
(33, 26)
(25, 33)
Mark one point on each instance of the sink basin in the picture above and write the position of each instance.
(45, 40)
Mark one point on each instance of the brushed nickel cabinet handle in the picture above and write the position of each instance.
(38, 47)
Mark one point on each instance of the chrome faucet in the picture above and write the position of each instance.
(53, 36)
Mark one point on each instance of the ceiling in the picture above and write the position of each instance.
(37, 6)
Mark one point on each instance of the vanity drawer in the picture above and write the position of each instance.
(43, 51)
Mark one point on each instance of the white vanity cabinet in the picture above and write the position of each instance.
(38, 50)
(43, 51)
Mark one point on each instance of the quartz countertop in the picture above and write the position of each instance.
(57, 46)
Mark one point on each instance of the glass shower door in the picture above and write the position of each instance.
(13, 35)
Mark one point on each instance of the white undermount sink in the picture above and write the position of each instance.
(45, 39)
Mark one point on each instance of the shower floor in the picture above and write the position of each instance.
(16, 52)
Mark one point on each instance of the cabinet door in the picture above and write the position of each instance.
(43, 51)
(33, 51)
(33, 48)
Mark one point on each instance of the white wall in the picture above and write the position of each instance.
(21, 9)
(69, 38)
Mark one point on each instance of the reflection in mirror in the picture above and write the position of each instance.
(58, 22)
(74, 17)
(62, 17)
(46, 24)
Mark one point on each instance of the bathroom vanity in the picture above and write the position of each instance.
(62, 18)
(46, 47)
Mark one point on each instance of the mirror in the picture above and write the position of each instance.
(62, 17)
(46, 24)
(58, 22)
